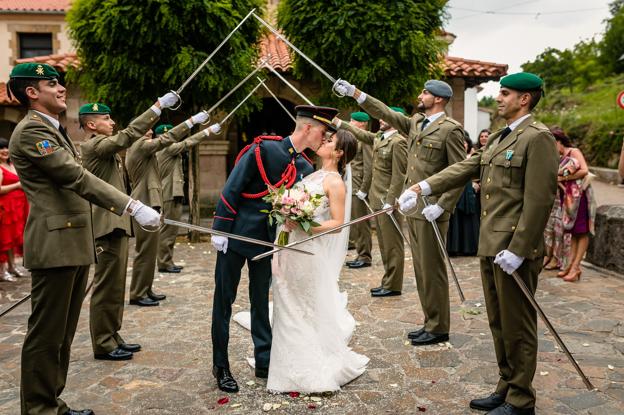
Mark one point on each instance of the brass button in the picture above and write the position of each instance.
(430, 145)
(513, 228)
(535, 250)
(112, 209)
(412, 167)
(418, 143)
(487, 197)
(490, 164)
(489, 179)
(484, 212)
(69, 224)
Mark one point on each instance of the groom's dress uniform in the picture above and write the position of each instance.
(271, 159)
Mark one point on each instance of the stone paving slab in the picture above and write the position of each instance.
(172, 374)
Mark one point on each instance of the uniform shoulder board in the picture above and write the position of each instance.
(539, 126)
(453, 121)
(35, 117)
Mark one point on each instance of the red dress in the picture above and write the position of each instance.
(14, 211)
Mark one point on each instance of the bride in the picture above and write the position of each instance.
(311, 324)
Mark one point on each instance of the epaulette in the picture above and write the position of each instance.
(35, 117)
(539, 126)
(451, 120)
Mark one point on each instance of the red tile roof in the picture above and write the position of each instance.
(475, 71)
(60, 61)
(4, 98)
(35, 6)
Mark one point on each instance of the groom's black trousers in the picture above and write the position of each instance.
(227, 277)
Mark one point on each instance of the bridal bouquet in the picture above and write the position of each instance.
(296, 204)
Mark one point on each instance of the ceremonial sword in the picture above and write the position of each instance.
(269, 67)
(243, 101)
(205, 62)
(446, 255)
(277, 100)
(233, 236)
(296, 49)
(527, 293)
(334, 229)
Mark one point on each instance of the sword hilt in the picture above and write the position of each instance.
(207, 119)
(179, 100)
(336, 93)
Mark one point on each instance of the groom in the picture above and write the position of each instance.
(269, 161)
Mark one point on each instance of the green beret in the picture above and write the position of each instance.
(34, 71)
(360, 116)
(94, 108)
(399, 109)
(162, 128)
(522, 81)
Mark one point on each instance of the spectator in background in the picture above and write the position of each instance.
(463, 234)
(572, 219)
(483, 138)
(13, 217)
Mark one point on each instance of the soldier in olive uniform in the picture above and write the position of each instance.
(518, 172)
(100, 156)
(361, 175)
(58, 238)
(144, 175)
(172, 181)
(389, 162)
(434, 141)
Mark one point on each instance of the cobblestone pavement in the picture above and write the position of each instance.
(173, 372)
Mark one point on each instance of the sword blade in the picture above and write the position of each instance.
(205, 62)
(529, 295)
(278, 101)
(242, 102)
(232, 236)
(252, 73)
(334, 229)
(296, 49)
(291, 86)
(395, 223)
(446, 255)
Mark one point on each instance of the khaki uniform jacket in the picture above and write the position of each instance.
(170, 166)
(99, 156)
(389, 163)
(518, 185)
(142, 165)
(430, 151)
(361, 172)
(59, 230)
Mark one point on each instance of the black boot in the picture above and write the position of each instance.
(225, 380)
(488, 403)
(509, 409)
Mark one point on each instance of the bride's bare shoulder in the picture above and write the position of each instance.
(333, 182)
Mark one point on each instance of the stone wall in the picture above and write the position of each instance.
(606, 247)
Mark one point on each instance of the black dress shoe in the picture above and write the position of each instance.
(130, 347)
(349, 263)
(79, 412)
(117, 354)
(359, 264)
(509, 409)
(225, 380)
(156, 297)
(180, 267)
(488, 403)
(429, 338)
(416, 333)
(171, 269)
(385, 293)
(262, 372)
(144, 302)
(376, 289)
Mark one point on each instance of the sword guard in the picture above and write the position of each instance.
(179, 100)
(207, 120)
(336, 93)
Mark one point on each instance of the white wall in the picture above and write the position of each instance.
(483, 120)
(471, 109)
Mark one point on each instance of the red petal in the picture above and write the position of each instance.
(223, 401)
(311, 406)
(422, 409)
(433, 381)
(293, 394)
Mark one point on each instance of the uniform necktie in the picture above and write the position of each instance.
(425, 124)
(505, 133)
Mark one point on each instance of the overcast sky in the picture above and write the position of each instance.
(516, 31)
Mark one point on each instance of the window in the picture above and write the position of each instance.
(34, 44)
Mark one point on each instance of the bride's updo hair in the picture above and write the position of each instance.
(346, 142)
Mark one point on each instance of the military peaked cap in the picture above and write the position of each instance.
(324, 115)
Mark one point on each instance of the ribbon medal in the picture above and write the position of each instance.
(509, 154)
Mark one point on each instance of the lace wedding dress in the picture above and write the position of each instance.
(311, 324)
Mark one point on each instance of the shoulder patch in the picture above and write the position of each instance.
(44, 147)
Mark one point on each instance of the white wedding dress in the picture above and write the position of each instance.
(311, 324)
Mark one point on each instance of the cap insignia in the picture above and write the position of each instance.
(95, 107)
(39, 70)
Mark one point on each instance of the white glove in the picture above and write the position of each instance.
(407, 200)
(508, 261)
(361, 195)
(144, 215)
(432, 212)
(219, 242)
(386, 206)
(200, 117)
(168, 100)
(342, 87)
(215, 128)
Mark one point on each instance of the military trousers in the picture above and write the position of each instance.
(109, 287)
(392, 251)
(144, 265)
(171, 210)
(431, 275)
(227, 278)
(361, 232)
(57, 295)
(513, 323)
